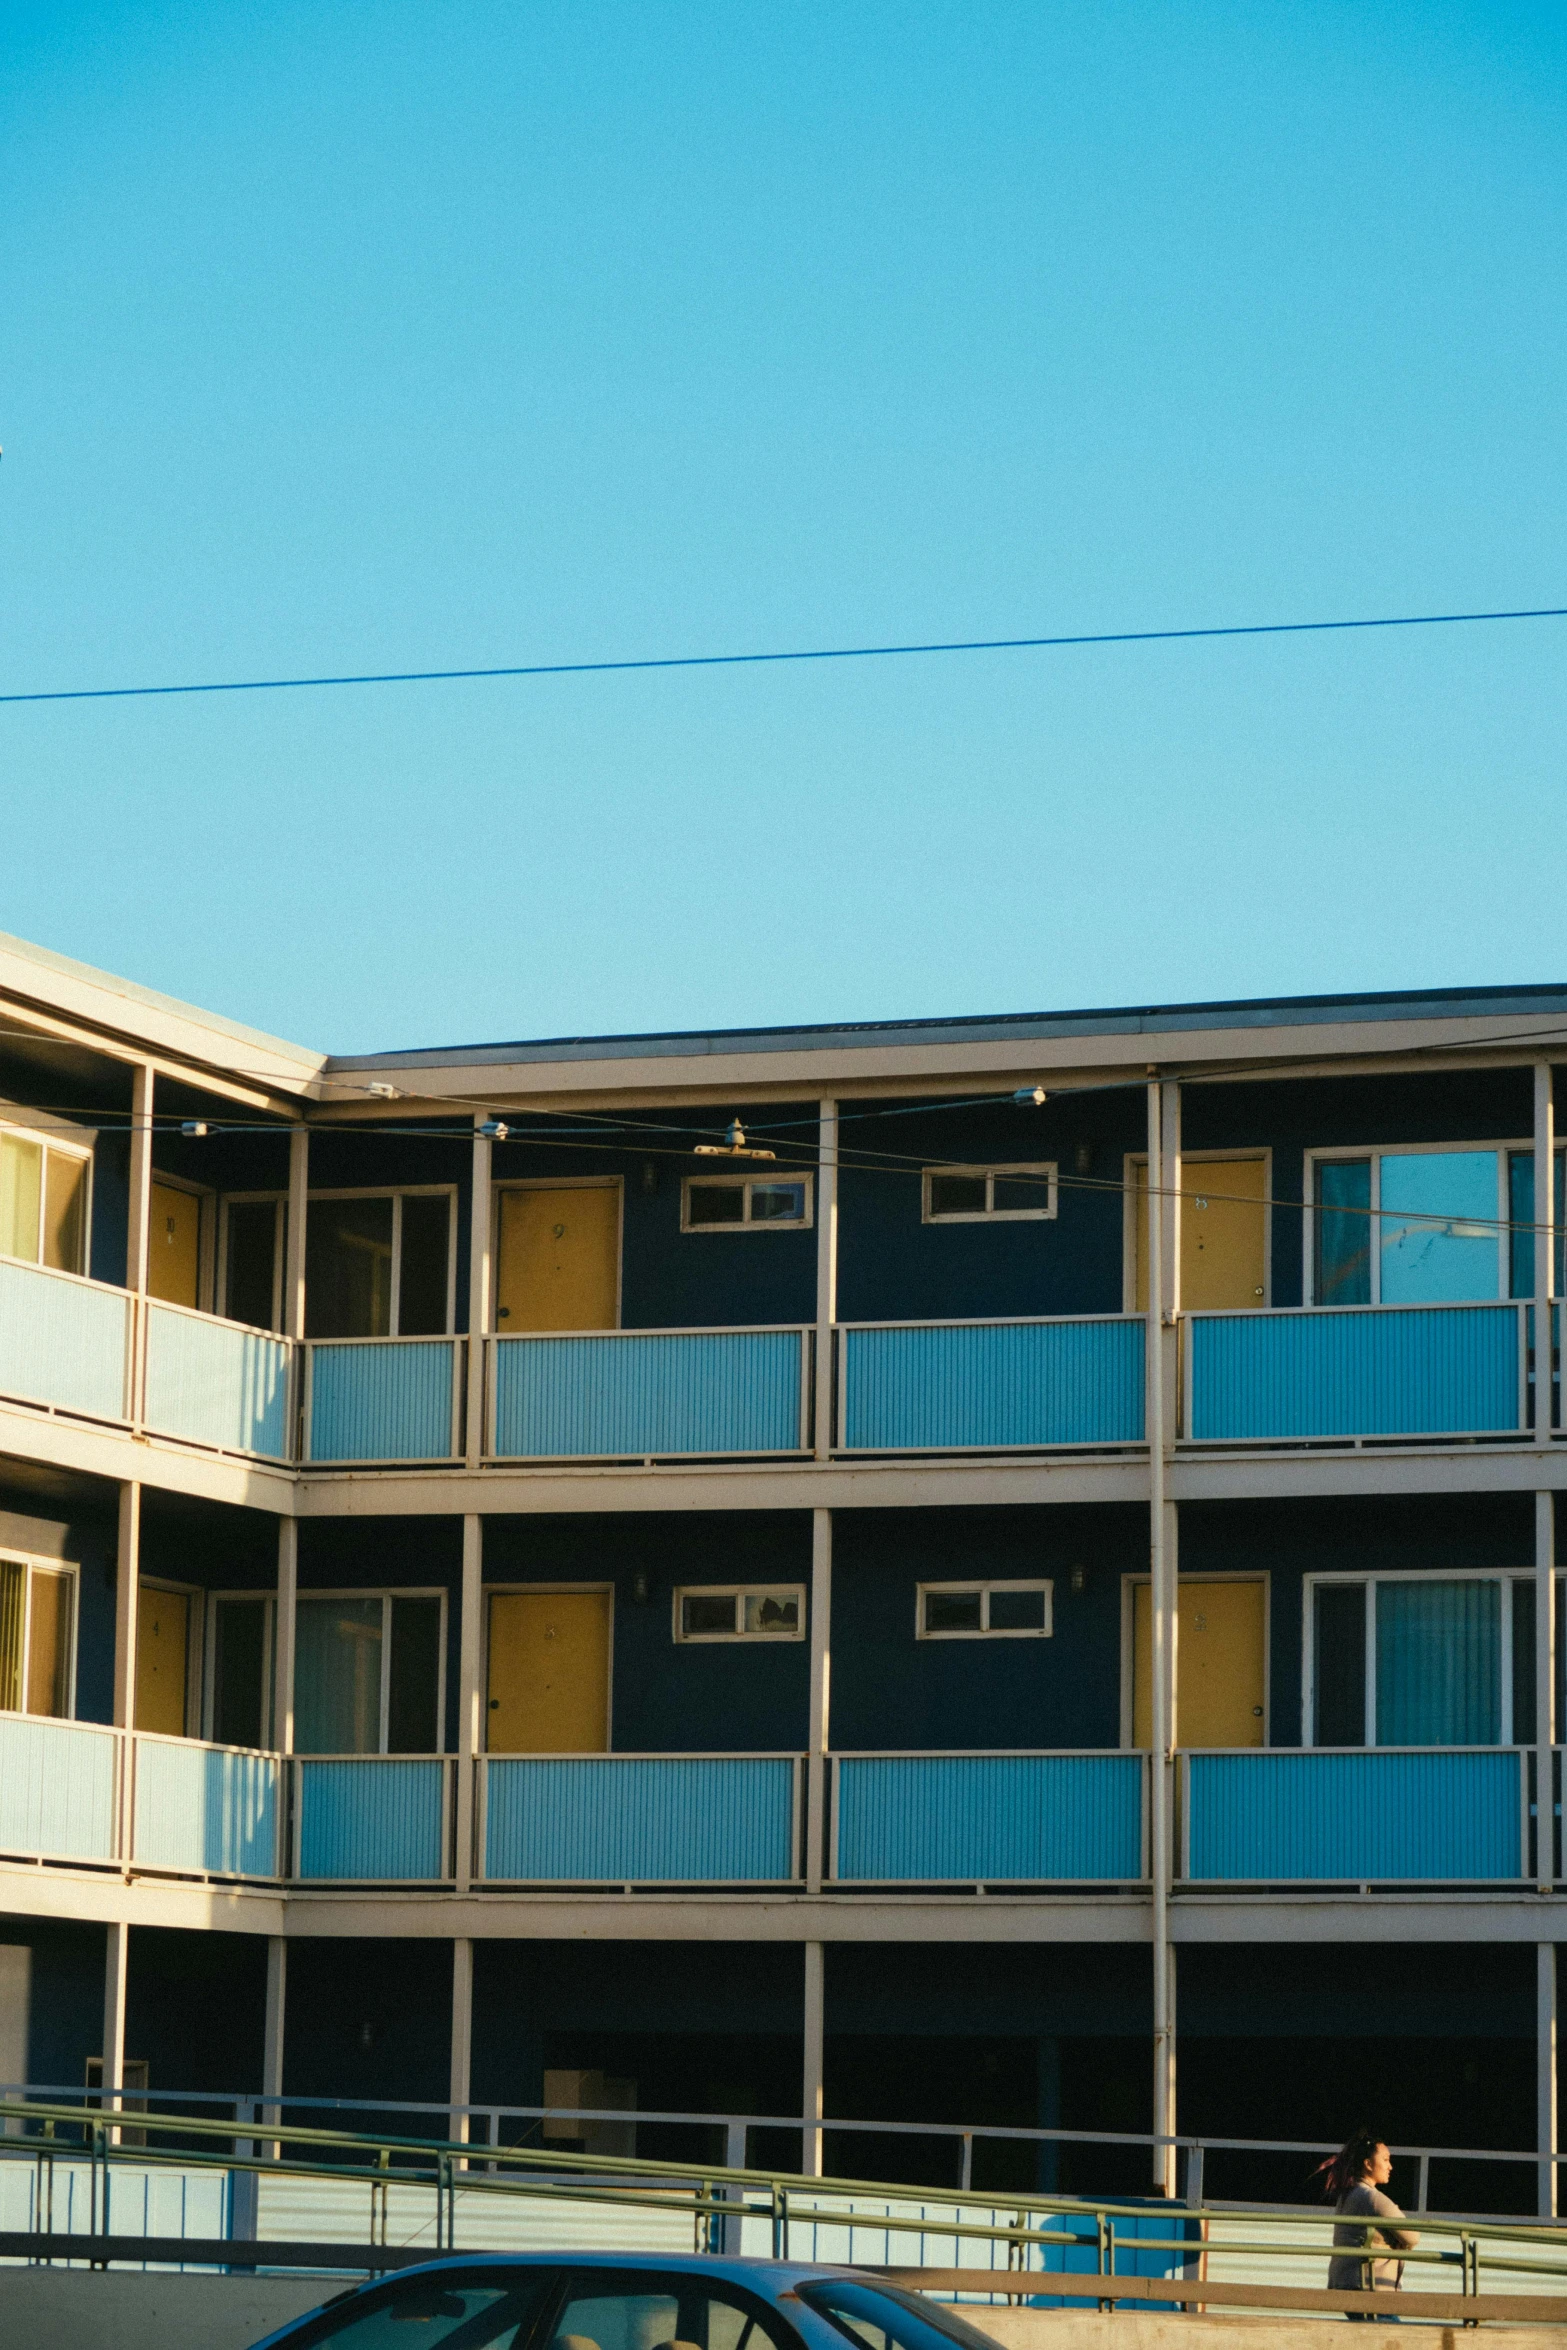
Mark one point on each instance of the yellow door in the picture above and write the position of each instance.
(549, 1672)
(162, 1650)
(1221, 1679)
(558, 1259)
(1224, 1225)
(174, 1246)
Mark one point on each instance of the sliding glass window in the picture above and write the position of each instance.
(1425, 1227)
(380, 1265)
(37, 1634)
(369, 1673)
(43, 1202)
(1418, 1660)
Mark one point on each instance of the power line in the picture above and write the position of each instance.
(999, 644)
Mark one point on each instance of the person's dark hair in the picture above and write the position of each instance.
(1348, 2167)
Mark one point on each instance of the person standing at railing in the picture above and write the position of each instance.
(1354, 2179)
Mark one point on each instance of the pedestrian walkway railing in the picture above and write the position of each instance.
(1038, 2248)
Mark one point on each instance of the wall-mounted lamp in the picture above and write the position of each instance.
(494, 1130)
(650, 1175)
(193, 1126)
(1030, 1097)
(1082, 1158)
(1079, 1577)
(639, 1589)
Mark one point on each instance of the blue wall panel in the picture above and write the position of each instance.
(217, 1383)
(1403, 1372)
(697, 1820)
(1334, 1816)
(206, 1808)
(718, 1392)
(57, 1789)
(992, 1385)
(381, 1400)
(1034, 1817)
(378, 1821)
(62, 1341)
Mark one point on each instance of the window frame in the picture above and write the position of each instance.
(1376, 1152)
(209, 1667)
(989, 1214)
(749, 1182)
(986, 1631)
(33, 1563)
(251, 1199)
(49, 1135)
(396, 1193)
(1506, 1577)
(739, 1637)
(385, 1593)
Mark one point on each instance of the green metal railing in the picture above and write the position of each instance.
(1010, 2256)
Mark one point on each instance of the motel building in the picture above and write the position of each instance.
(997, 1571)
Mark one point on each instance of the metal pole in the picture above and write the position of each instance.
(826, 1274)
(138, 1237)
(1544, 1689)
(116, 1969)
(462, 2036)
(1163, 1232)
(127, 1591)
(272, 2040)
(287, 1618)
(1544, 1246)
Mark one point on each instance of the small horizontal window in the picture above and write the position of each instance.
(984, 1611)
(716, 1203)
(770, 1611)
(969, 1195)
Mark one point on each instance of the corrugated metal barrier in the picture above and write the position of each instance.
(624, 1819)
(631, 1394)
(1334, 1815)
(977, 1818)
(217, 1382)
(991, 1386)
(382, 1399)
(208, 1809)
(64, 1341)
(1355, 1371)
(371, 1819)
(59, 1783)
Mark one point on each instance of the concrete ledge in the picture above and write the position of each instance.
(1054, 2329)
(83, 2309)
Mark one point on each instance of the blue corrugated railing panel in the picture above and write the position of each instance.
(376, 1821)
(386, 1400)
(57, 1788)
(682, 1819)
(1033, 1817)
(959, 1386)
(1409, 1371)
(217, 1383)
(718, 1391)
(206, 1808)
(62, 1342)
(1311, 1814)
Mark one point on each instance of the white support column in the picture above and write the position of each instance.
(462, 2037)
(138, 1232)
(297, 1222)
(820, 1729)
(1544, 1246)
(811, 2088)
(127, 1588)
(1545, 2061)
(470, 1693)
(272, 2042)
(286, 1619)
(1544, 1689)
(116, 1958)
(826, 1274)
(478, 1294)
(1163, 1241)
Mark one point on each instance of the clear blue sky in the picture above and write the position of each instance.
(389, 335)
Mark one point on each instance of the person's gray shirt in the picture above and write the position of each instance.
(1362, 2275)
